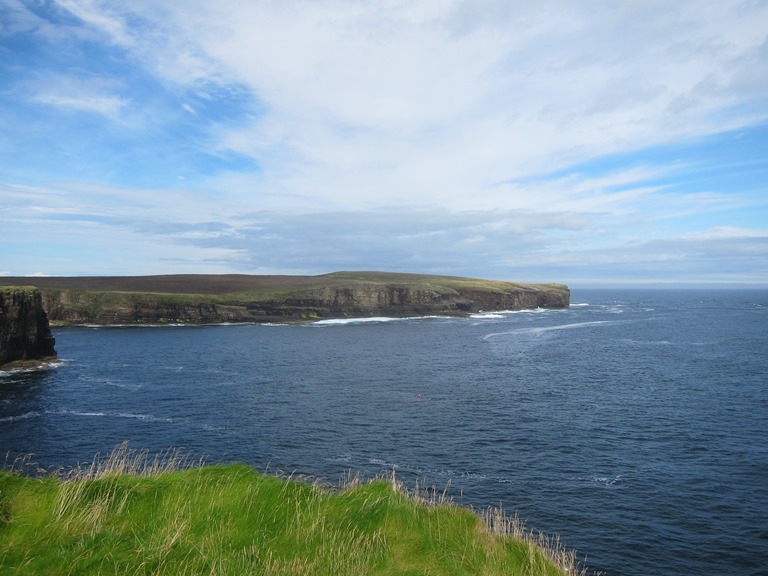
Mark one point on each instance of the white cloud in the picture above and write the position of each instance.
(99, 16)
(455, 135)
(389, 107)
(432, 101)
(726, 232)
(77, 92)
(106, 105)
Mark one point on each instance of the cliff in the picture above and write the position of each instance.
(245, 298)
(25, 336)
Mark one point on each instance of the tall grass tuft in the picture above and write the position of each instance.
(132, 513)
(126, 461)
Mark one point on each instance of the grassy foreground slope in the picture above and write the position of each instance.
(129, 519)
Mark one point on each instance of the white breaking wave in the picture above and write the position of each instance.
(20, 417)
(504, 313)
(542, 329)
(145, 417)
(41, 367)
(372, 319)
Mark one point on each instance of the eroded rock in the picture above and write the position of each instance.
(25, 336)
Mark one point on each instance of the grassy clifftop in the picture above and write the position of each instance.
(121, 517)
(264, 287)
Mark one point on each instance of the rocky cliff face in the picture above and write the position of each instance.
(72, 307)
(199, 299)
(404, 300)
(24, 331)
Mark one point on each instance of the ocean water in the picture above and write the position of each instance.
(633, 424)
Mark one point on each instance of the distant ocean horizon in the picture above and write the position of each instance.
(633, 424)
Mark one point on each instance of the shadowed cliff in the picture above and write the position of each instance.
(25, 336)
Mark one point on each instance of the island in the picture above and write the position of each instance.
(235, 298)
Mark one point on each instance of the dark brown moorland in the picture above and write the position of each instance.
(165, 284)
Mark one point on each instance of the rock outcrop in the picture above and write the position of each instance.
(198, 299)
(25, 336)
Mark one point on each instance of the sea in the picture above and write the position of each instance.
(633, 425)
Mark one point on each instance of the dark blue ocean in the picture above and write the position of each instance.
(634, 424)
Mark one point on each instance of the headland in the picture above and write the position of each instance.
(209, 299)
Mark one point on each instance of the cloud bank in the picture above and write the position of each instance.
(597, 142)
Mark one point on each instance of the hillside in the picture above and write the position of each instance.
(130, 514)
(199, 298)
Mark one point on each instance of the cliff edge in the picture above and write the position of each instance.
(25, 336)
(197, 298)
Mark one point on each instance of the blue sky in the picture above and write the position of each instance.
(590, 143)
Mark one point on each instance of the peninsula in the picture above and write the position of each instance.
(205, 298)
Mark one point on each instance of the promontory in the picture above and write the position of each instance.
(205, 298)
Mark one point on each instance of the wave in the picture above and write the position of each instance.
(647, 342)
(369, 320)
(39, 367)
(144, 417)
(20, 417)
(542, 329)
(486, 315)
(604, 481)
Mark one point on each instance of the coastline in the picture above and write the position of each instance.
(212, 299)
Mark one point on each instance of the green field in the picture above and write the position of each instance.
(127, 514)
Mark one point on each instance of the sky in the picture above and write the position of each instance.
(591, 143)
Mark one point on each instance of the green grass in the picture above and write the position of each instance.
(127, 514)
(17, 288)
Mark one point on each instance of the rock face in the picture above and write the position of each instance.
(404, 300)
(24, 331)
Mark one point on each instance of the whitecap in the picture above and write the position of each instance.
(378, 462)
(145, 417)
(85, 414)
(79, 413)
(339, 458)
(542, 329)
(20, 417)
(605, 481)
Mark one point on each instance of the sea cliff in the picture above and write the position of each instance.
(198, 299)
(25, 336)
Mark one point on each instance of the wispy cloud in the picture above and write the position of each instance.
(78, 93)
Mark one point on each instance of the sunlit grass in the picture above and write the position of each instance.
(132, 514)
